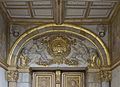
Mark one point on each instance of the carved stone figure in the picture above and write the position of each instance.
(94, 61)
(58, 50)
(23, 60)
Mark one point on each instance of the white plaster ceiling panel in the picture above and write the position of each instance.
(99, 13)
(43, 13)
(42, 2)
(102, 3)
(75, 2)
(14, 4)
(75, 13)
(70, 8)
(19, 13)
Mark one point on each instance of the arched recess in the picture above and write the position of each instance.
(66, 28)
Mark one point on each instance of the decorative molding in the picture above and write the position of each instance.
(3, 64)
(24, 70)
(115, 65)
(79, 0)
(116, 10)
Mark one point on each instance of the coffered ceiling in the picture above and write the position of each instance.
(59, 11)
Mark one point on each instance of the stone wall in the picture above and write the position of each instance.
(115, 38)
(115, 77)
(2, 37)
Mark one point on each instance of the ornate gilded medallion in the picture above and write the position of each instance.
(59, 48)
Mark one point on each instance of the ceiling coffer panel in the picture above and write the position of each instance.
(20, 13)
(70, 10)
(99, 13)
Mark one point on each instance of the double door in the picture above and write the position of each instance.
(58, 79)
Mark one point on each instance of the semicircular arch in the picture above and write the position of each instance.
(25, 37)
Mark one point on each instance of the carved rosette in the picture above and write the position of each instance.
(12, 75)
(105, 75)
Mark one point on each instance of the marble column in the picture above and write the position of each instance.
(92, 78)
(12, 77)
(24, 79)
(105, 76)
(3, 81)
(105, 84)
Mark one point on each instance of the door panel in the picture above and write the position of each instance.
(58, 79)
(43, 79)
(72, 79)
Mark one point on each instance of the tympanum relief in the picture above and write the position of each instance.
(59, 50)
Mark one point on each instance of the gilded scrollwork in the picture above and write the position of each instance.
(12, 75)
(59, 49)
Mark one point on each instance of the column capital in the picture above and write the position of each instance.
(105, 75)
(12, 75)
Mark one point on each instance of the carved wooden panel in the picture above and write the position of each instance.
(67, 79)
(72, 79)
(44, 79)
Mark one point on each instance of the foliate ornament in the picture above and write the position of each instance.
(12, 75)
(105, 75)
